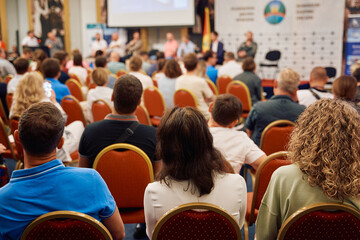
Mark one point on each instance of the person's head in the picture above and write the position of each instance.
(21, 65)
(190, 61)
(249, 36)
(226, 110)
(169, 36)
(355, 66)
(144, 55)
(356, 74)
(229, 56)
(127, 94)
(325, 145)
(135, 64)
(287, 82)
(30, 33)
(75, 51)
(29, 91)
(160, 65)
(99, 53)
(115, 36)
(185, 39)
(100, 61)
(210, 58)
(185, 146)
(39, 56)
(136, 35)
(51, 68)
(160, 55)
(214, 36)
(62, 56)
(27, 52)
(114, 56)
(248, 64)
(77, 58)
(41, 128)
(345, 88)
(97, 36)
(51, 35)
(172, 69)
(201, 69)
(99, 76)
(318, 77)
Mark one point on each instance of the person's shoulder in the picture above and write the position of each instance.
(96, 127)
(288, 171)
(145, 129)
(231, 179)
(77, 173)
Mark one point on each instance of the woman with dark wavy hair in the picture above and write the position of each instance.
(193, 170)
(325, 151)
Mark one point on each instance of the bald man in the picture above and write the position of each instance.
(54, 43)
(318, 79)
(114, 65)
(117, 45)
(171, 46)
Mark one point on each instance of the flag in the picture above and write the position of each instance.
(206, 33)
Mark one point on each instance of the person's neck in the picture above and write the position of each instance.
(283, 93)
(191, 73)
(209, 64)
(34, 161)
(123, 114)
(317, 85)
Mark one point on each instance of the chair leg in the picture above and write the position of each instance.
(246, 231)
(19, 165)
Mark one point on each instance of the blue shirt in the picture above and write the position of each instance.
(167, 88)
(212, 73)
(60, 89)
(51, 187)
(185, 49)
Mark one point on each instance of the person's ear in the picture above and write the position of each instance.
(211, 106)
(61, 143)
(17, 137)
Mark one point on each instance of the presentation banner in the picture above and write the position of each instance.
(352, 42)
(308, 33)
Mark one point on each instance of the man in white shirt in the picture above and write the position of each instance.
(30, 40)
(217, 47)
(135, 66)
(236, 146)
(98, 44)
(318, 79)
(195, 84)
(230, 67)
(21, 66)
(117, 45)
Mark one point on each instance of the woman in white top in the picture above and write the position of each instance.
(78, 69)
(192, 171)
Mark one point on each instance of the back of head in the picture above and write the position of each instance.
(135, 64)
(345, 87)
(318, 74)
(100, 61)
(172, 69)
(356, 74)
(160, 65)
(41, 128)
(27, 50)
(185, 146)
(39, 55)
(77, 58)
(60, 55)
(21, 65)
(75, 51)
(160, 55)
(226, 109)
(190, 61)
(229, 56)
(99, 76)
(99, 53)
(207, 55)
(114, 56)
(127, 94)
(288, 80)
(50, 68)
(325, 144)
(248, 64)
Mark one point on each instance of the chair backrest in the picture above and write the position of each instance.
(73, 109)
(222, 82)
(262, 179)
(323, 220)
(185, 98)
(8, 78)
(184, 221)
(88, 79)
(273, 55)
(120, 72)
(100, 108)
(65, 225)
(75, 77)
(75, 89)
(241, 91)
(4, 139)
(14, 125)
(92, 86)
(276, 136)
(212, 86)
(3, 115)
(127, 173)
(154, 101)
(142, 115)
(9, 99)
(155, 82)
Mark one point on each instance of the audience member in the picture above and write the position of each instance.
(51, 70)
(114, 65)
(54, 187)
(135, 64)
(252, 81)
(54, 43)
(62, 57)
(166, 83)
(98, 44)
(160, 69)
(282, 105)
(201, 69)
(193, 170)
(318, 79)
(14, 54)
(153, 68)
(21, 66)
(78, 69)
(70, 63)
(217, 47)
(186, 46)
(236, 146)
(211, 71)
(195, 84)
(247, 48)
(144, 55)
(6, 67)
(30, 40)
(318, 173)
(27, 53)
(117, 45)
(38, 57)
(170, 46)
(345, 88)
(230, 67)
(135, 45)
(356, 75)
(100, 62)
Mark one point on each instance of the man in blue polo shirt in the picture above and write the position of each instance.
(283, 105)
(51, 70)
(211, 71)
(46, 185)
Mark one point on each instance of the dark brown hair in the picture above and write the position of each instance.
(345, 87)
(135, 63)
(227, 108)
(190, 61)
(100, 61)
(127, 94)
(21, 65)
(172, 69)
(61, 56)
(208, 54)
(39, 57)
(248, 64)
(185, 146)
(77, 60)
(50, 68)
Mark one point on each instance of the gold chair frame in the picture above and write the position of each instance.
(208, 81)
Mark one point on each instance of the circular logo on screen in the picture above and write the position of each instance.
(274, 12)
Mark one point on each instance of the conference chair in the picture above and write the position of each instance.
(14, 125)
(155, 104)
(66, 225)
(185, 98)
(186, 222)
(222, 82)
(241, 91)
(75, 77)
(276, 136)
(120, 72)
(100, 109)
(73, 110)
(88, 79)
(75, 89)
(8, 78)
(10, 151)
(155, 82)
(272, 59)
(212, 86)
(126, 173)
(262, 179)
(142, 115)
(322, 221)
(9, 99)
(3, 115)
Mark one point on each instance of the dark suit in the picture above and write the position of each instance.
(220, 52)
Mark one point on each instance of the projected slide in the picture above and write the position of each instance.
(142, 13)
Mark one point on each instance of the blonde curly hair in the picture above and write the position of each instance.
(325, 145)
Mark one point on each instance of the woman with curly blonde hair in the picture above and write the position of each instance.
(325, 151)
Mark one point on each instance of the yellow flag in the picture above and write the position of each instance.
(206, 33)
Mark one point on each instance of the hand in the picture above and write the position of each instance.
(2, 148)
(49, 45)
(242, 54)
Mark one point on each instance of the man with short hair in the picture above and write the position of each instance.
(54, 43)
(27, 53)
(186, 46)
(153, 68)
(282, 105)
(6, 67)
(230, 67)
(51, 71)
(211, 71)
(98, 44)
(236, 146)
(133, 48)
(114, 65)
(170, 46)
(101, 62)
(144, 55)
(30, 40)
(247, 48)
(46, 185)
(135, 65)
(217, 47)
(62, 56)
(21, 66)
(318, 80)
(117, 45)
